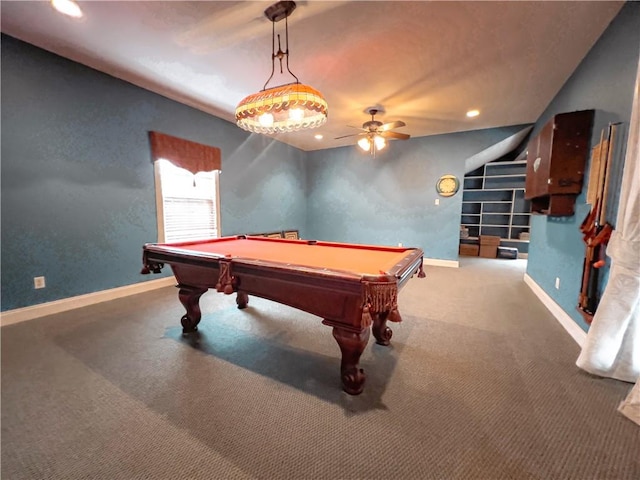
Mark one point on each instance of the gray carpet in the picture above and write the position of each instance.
(479, 383)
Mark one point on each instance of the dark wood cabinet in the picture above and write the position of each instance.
(556, 160)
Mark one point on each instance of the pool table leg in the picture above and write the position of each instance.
(190, 298)
(351, 344)
(381, 332)
(242, 299)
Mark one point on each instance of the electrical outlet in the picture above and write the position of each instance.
(437, 202)
(557, 283)
(38, 282)
(400, 244)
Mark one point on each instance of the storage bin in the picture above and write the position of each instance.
(507, 252)
(469, 250)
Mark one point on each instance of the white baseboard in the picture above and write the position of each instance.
(435, 262)
(35, 311)
(565, 320)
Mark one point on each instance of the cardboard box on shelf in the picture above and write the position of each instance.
(488, 251)
(469, 250)
(489, 240)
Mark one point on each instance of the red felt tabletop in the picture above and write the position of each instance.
(359, 259)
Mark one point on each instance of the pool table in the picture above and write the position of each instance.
(353, 288)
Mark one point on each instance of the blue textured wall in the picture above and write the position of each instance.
(389, 199)
(262, 186)
(604, 81)
(78, 195)
(78, 198)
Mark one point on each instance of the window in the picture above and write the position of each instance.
(187, 203)
(187, 194)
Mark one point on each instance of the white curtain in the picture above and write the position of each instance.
(612, 347)
(631, 405)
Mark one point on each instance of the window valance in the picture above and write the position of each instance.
(192, 156)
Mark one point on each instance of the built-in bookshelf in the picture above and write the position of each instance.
(493, 203)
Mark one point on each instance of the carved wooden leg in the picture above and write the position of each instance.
(351, 345)
(190, 297)
(381, 332)
(242, 299)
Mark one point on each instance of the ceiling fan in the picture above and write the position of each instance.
(375, 132)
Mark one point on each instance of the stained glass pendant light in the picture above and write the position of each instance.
(285, 108)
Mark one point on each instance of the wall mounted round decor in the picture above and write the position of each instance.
(447, 185)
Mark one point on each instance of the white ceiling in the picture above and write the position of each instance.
(425, 63)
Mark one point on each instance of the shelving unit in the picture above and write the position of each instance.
(493, 203)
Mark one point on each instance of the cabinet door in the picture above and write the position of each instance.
(571, 144)
(539, 163)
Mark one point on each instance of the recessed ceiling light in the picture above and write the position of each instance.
(67, 7)
(318, 136)
(473, 113)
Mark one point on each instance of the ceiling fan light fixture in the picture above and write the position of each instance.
(379, 142)
(364, 144)
(294, 106)
(376, 133)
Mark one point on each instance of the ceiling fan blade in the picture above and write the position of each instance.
(345, 136)
(392, 125)
(399, 136)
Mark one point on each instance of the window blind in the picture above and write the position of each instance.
(189, 219)
(189, 203)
